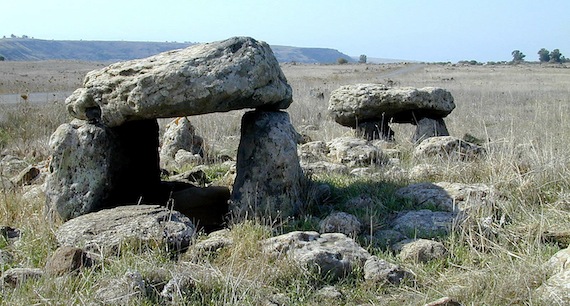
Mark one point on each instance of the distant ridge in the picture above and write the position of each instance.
(29, 49)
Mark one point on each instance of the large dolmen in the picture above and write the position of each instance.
(370, 108)
(108, 156)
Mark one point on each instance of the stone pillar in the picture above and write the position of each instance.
(429, 127)
(94, 167)
(268, 178)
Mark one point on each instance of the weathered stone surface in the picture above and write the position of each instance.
(268, 181)
(381, 271)
(448, 147)
(429, 127)
(421, 250)
(81, 174)
(444, 301)
(180, 134)
(94, 167)
(105, 230)
(423, 223)
(67, 259)
(341, 222)
(354, 152)
(331, 255)
(325, 167)
(232, 74)
(122, 291)
(26, 176)
(386, 238)
(17, 276)
(353, 104)
(556, 289)
(453, 197)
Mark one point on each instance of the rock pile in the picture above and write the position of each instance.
(371, 107)
(109, 156)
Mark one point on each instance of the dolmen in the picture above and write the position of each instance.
(369, 108)
(108, 156)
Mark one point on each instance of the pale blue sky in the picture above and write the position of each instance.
(436, 30)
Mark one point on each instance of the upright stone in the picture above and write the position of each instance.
(232, 74)
(268, 181)
(95, 167)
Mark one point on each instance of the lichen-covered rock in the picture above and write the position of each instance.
(352, 104)
(17, 276)
(269, 176)
(380, 271)
(93, 167)
(421, 250)
(448, 147)
(331, 255)
(180, 134)
(341, 222)
(104, 231)
(354, 152)
(423, 223)
(452, 197)
(232, 74)
(67, 259)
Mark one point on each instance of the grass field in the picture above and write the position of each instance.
(521, 112)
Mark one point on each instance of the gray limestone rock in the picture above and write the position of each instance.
(269, 176)
(232, 74)
(381, 271)
(331, 255)
(420, 250)
(341, 222)
(423, 223)
(104, 231)
(180, 134)
(448, 147)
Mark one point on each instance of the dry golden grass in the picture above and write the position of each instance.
(523, 112)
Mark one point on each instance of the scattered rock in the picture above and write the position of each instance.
(332, 255)
(425, 172)
(448, 147)
(325, 167)
(104, 231)
(214, 243)
(354, 152)
(444, 301)
(341, 222)
(232, 74)
(380, 271)
(121, 291)
(269, 176)
(180, 134)
(420, 250)
(10, 234)
(386, 238)
(329, 293)
(26, 176)
(6, 258)
(16, 276)
(556, 289)
(66, 260)
(423, 223)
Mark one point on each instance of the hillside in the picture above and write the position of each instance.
(20, 49)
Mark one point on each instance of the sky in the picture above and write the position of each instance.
(428, 30)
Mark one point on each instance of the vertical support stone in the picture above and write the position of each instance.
(268, 178)
(95, 167)
(429, 127)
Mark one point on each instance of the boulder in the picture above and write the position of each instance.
(121, 291)
(232, 74)
(420, 250)
(423, 223)
(380, 271)
(370, 107)
(17, 276)
(269, 176)
(180, 134)
(67, 259)
(556, 289)
(448, 147)
(341, 222)
(94, 167)
(104, 231)
(452, 197)
(354, 152)
(331, 255)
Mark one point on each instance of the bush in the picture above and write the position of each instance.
(342, 60)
